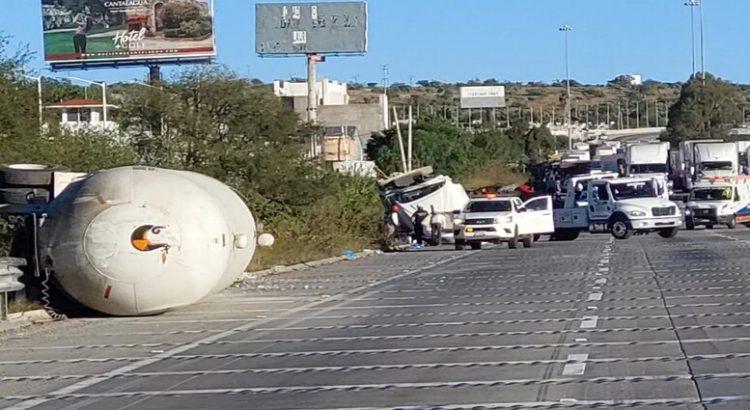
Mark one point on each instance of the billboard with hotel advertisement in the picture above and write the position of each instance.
(110, 32)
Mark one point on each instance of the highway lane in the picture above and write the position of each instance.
(592, 323)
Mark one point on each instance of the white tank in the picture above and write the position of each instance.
(139, 241)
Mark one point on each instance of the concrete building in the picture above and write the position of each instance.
(354, 123)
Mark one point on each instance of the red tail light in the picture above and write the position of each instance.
(395, 208)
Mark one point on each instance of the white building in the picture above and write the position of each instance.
(78, 114)
(635, 79)
(329, 92)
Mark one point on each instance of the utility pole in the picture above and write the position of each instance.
(647, 124)
(566, 29)
(587, 115)
(609, 123)
(656, 113)
(627, 114)
(637, 114)
(409, 143)
(384, 67)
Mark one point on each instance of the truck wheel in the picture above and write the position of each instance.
(436, 238)
(459, 245)
(668, 232)
(689, 224)
(476, 245)
(527, 241)
(27, 175)
(620, 228)
(536, 237)
(21, 196)
(513, 242)
(732, 223)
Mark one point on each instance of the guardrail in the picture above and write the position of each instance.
(9, 275)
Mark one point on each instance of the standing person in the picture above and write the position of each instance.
(83, 24)
(419, 216)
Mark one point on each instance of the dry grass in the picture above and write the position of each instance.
(25, 305)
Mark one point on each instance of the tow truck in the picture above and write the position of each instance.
(620, 206)
(503, 219)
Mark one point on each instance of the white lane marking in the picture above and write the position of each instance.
(601, 281)
(589, 322)
(581, 340)
(595, 296)
(591, 308)
(577, 368)
(34, 401)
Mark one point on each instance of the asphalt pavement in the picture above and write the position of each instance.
(593, 323)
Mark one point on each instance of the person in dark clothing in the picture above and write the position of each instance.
(419, 216)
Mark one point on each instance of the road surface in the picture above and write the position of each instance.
(593, 323)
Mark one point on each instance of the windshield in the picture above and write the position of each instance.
(712, 194)
(488, 206)
(648, 169)
(632, 190)
(716, 166)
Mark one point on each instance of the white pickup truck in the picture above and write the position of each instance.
(620, 206)
(492, 219)
(719, 201)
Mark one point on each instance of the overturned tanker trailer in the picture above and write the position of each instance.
(141, 240)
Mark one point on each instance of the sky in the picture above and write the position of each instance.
(459, 40)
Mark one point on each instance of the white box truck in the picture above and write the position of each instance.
(716, 160)
(650, 160)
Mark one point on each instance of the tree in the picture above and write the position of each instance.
(705, 110)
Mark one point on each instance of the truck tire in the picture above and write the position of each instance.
(476, 245)
(27, 175)
(689, 224)
(459, 245)
(528, 241)
(436, 237)
(21, 196)
(537, 237)
(620, 227)
(565, 235)
(732, 223)
(513, 242)
(668, 232)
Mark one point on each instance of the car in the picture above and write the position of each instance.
(503, 219)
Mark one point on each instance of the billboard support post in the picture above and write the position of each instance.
(154, 74)
(104, 102)
(312, 97)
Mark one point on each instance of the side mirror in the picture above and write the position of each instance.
(521, 209)
(456, 211)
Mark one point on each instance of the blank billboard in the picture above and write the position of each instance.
(97, 32)
(311, 28)
(483, 97)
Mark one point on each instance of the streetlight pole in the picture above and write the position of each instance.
(703, 47)
(39, 99)
(692, 4)
(566, 28)
(104, 95)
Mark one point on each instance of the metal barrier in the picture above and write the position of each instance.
(9, 274)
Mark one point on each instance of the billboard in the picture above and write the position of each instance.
(483, 97)
(102, 32)
(311, 28)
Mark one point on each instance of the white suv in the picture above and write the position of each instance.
(496, 220)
